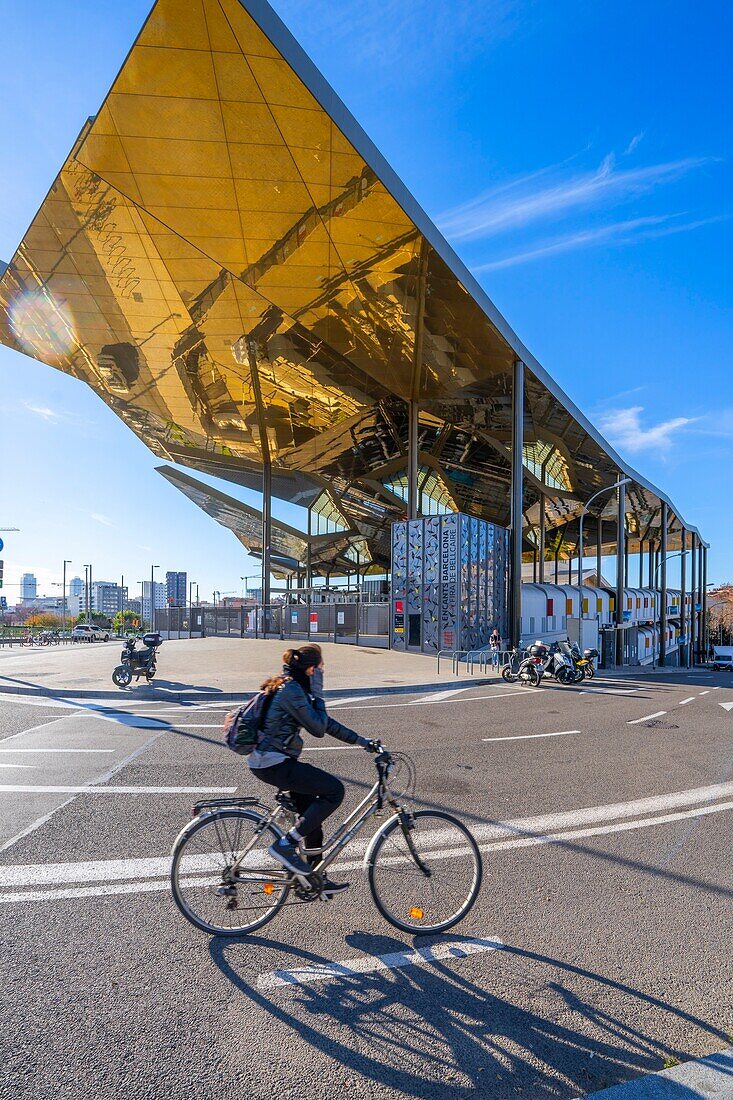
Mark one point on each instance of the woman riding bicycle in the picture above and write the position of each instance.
(297, 702)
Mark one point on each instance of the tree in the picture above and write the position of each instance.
(720, 614)
(126, 620)
(97, 619)
(45, 620)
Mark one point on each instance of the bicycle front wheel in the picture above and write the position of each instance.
(424, 871)
(202, 887)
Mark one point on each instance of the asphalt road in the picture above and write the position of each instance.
(589, 959)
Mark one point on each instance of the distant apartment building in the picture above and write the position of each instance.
(28, 586)
(76, 586)
(159, 598)
(108, 597)
(175, 589)
(75, 604)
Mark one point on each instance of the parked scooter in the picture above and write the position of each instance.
(522, 669)
(137, 662)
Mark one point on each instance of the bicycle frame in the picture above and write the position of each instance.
(346, 831)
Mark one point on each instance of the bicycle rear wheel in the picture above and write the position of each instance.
(202, 889)
(426, 878)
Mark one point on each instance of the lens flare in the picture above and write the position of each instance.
(42, 327)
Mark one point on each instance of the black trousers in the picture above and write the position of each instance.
(315, 793)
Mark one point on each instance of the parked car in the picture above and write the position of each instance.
(86, 632)
(722, 663)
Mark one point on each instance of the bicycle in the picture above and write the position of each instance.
(423, 866)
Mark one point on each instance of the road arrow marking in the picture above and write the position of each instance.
(726, 706)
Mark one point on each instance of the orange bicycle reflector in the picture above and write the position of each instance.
(269, 888)
(417, 913)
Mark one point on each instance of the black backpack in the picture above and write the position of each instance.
(243, 725)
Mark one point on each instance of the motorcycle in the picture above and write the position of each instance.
(523, 670)
(137, 662)
(584, 661)
(555, 661)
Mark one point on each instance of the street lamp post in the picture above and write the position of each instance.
(88, 592)
(606, 489)
(190, 606)
(67, 561)
(152, 597)
(664, 560)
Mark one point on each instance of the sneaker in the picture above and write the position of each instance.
(285, 852)
(330, 888)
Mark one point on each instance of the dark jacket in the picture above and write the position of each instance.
(293, 709)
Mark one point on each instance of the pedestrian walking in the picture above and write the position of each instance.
(495, 643)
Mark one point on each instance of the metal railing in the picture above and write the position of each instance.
(483, 658)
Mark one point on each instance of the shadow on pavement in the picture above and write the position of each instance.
(427, 1031)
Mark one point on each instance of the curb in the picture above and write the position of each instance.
(700, 1078)
(193, 696)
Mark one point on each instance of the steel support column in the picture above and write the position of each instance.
(704, 630)
(626, 559)
(700, 601)
(620, 551)
(651, 563)
(641, 563)
(413, 503)
(663, 588)
(693, 596)
(683, 650)
(542, 547)
(266, 481)
(515, 603)
(599, 551)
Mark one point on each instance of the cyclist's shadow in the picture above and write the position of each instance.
(427, 1029)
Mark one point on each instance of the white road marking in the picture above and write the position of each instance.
(104, 778)
(519, 692)
(329, 748)
(530, 736)
(196, 725)
(90, 788)
(437, 697)
(351, 699)
(48, 750)
(373, 964)
(690, 700)
(539, 827)
(34, 729)
(160, 885)
(608, 691)
(648, 718)
(17, 766)
(704, 692)
(726, 706)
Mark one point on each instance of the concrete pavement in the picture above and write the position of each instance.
(222, 668)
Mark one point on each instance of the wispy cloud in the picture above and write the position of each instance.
(634, 143)
(50, 415)
(625, 430)
(99, 517)
(394, 29)
(617, 233)
(554, 192)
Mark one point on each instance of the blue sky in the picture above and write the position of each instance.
(577, 155)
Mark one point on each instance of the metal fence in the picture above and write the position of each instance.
(347, 623)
